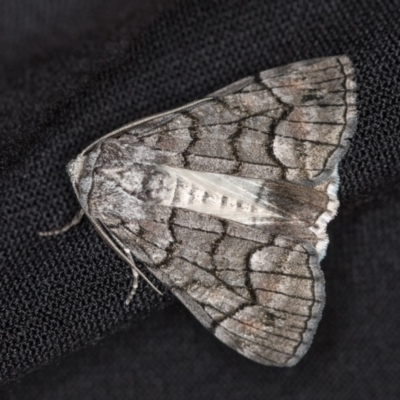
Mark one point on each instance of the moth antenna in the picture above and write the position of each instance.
(75, 221)
(135, 274)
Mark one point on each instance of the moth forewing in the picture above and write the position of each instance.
(227, 199)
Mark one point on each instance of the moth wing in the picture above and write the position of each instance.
(261, 294)
(291, 123)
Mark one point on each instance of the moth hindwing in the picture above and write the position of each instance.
(226, 200)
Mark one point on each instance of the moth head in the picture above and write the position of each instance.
(74, 167)
(80, 172)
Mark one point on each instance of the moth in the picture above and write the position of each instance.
(226, 200)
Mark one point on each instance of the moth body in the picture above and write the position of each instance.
(226, 201)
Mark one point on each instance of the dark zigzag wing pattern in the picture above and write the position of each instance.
(259, 293)
(258, 287)
(288, 123)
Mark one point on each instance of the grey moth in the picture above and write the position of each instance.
(226, 201)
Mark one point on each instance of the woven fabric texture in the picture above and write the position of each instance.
(60, 294)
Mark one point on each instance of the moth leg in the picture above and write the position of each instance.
(123, 252)
(75, 221)
(135, 275)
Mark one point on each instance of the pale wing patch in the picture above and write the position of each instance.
(224, 196)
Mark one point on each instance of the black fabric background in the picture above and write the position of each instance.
(70, 74)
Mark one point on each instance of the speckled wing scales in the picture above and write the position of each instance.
(286, 123)
(260, 293)
(227, 199)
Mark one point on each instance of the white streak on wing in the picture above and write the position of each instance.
(236, 189)
(319, 227)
